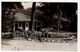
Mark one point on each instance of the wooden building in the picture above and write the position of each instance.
(23, 21)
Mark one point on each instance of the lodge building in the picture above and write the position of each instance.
(22, 20)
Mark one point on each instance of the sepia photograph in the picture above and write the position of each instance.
(39, 26)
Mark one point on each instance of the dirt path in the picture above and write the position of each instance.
(23, 45)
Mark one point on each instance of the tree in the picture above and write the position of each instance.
(32, 13)
(62, 10)
(8, 15)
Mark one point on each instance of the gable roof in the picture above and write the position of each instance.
(22, 17)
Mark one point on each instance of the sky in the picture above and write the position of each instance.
(28, 4)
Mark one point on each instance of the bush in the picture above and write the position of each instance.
(7, 36)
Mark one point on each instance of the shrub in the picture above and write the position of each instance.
(7, 35)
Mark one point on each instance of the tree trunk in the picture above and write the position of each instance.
(32, 13)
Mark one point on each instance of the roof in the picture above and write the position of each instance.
(64, 19)
(22, 17)
(61, 18)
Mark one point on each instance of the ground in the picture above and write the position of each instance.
(24, 45)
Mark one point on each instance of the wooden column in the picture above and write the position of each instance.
(14, 27)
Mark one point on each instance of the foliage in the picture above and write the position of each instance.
(61, 10)
(8, 14)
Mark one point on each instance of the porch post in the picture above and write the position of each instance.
(35, 25)
(25, 25)
(14, 27)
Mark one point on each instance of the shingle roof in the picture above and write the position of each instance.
(22, 17)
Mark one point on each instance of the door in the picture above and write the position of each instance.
(16, 26)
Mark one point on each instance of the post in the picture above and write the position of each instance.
(60, 14)
(14, 26)
(13, 21)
